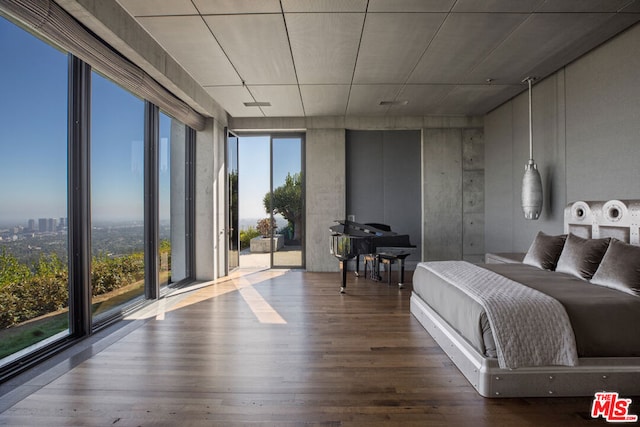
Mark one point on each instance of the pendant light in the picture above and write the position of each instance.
(531, 181)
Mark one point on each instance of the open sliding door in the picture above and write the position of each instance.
(233, 229)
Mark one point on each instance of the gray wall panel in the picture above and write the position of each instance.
(603, 121)
(365, 176)
(499, 180)
(383, 180)
(401, 154)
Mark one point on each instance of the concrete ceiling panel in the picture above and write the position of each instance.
(325, 100)
(582, 6)
(333, 6)
(364, 100)
(158, 7)
(541, 36)
(498, 6)
(453, 53)
(188, 40)
(318, 58)
(225, 7)
(257, 45)
(477, 99)
(420, 98)
(232, 99)
(321, 56)
(392, 44)
(284, 99)
(410, 5)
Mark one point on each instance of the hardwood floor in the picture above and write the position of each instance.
(276, 348)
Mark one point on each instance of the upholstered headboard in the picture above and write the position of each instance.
(613, 218)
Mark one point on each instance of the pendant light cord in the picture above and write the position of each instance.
(530, 122)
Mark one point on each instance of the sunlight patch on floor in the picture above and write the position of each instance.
(240, 280)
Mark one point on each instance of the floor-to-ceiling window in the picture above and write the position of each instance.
(33, 192)
(117, 197)
(75, 175)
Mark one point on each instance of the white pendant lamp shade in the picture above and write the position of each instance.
(531, 191)
(531, 181)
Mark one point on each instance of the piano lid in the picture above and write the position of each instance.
(355, 229)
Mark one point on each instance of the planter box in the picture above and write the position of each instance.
(263, 244)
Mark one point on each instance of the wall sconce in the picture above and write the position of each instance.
(531, 181)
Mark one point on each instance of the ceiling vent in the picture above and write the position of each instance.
(389, 103)
(257, 104)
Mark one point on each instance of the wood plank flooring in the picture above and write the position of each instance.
(279, 348)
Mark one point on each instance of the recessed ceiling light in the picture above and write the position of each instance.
(257, 104)
(387, 103)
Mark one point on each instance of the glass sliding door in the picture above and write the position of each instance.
(117, 198)
(285, 202)
(233, 225)
(271, 202)
(253, 186)
(34, 291)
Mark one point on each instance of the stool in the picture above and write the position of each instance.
(390, 259)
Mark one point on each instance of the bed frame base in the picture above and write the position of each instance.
(620, 375)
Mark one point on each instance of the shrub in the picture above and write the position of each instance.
(108, 274)
(11, 270)
(26, 294)
(34, 297)
(246, 236)
(266, 226)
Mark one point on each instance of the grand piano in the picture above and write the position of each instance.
(376, 242)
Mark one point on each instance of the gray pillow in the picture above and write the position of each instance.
(620, 268)
(581, 257)
(545, 251)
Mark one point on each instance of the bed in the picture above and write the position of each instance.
(561, 320)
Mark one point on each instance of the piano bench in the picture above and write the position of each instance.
(390, 259)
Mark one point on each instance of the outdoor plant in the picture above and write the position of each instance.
(287, 201)
(265, 226)
(28, 293)
(246, 236)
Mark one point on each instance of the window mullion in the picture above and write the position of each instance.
(190, 216)
(151, 200)
(79, 206)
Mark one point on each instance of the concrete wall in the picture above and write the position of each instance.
(325, 194)
(453, 193)
(586, 142)
(210, 204)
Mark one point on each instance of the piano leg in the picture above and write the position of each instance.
(357, 272)
(344, 276)
(401, 258)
